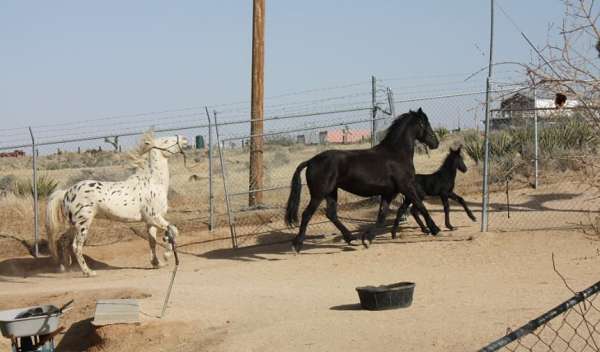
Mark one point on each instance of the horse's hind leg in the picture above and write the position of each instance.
(306, 216)
(152, 242)
(332, 216)
(81, 230)
(384, 206)
(399, 215)
(66, 256)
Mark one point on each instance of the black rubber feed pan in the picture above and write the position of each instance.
(392, 296)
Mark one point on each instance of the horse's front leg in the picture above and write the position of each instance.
(156, 263)
(158, 221)
(446, 205)
(411, 194)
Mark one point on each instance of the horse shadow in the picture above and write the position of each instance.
(41, 266)
(276, 245)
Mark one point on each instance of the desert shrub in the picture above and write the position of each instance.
(7, 183)
(45, 186)
(280, 158)
(421, 148)
(100, 175)
(442, 133)
(280, 139)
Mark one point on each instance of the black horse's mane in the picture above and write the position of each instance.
(394, 132)
(449, 160)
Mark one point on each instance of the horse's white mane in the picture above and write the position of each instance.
(137, 155)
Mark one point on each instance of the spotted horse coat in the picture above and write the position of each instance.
(141, 197)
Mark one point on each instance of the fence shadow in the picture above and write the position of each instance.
(536, 202)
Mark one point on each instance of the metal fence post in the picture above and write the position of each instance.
(486, 197)
(36, 228)
(535, 137)
(211, 209)
(227, 204)
(390, 97)
(374, 109)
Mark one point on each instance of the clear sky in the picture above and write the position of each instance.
(63, 61)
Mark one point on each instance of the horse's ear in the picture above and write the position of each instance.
(420, 111)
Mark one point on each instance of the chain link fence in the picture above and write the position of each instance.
(542, 160)
(209, 194)
(573, 325)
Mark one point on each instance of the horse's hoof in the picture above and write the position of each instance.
(349, 240)
(435, 231)
(473, 218)
(450, 228)
(425, 231)
(157, 264)
(61, 268)
(296, 247)
(90, 273)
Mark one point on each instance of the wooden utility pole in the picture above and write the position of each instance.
(256, 125)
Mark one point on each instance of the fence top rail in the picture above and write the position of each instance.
(454, 95)
(304, 129)
(547, 109)
(292, 116)
(92, 138)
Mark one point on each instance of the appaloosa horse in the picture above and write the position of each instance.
(141, 197)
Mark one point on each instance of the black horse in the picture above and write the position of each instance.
(440, 183)
(384, 170)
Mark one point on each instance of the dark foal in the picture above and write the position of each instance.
(440, 183)
(384, 170)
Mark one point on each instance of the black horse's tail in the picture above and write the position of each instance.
(291, 210)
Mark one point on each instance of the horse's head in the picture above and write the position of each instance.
(425, 133)
(168, 145)
(458, 161)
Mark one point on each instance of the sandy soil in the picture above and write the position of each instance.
(469, 288)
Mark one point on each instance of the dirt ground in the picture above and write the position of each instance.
(469, 288)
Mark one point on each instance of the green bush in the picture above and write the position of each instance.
(442, 133)
(473, 146)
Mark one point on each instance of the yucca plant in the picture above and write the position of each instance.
(45, 186)
(441, 132)
(501, 144)
(473, 146)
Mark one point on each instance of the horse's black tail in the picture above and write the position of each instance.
(291, 210)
